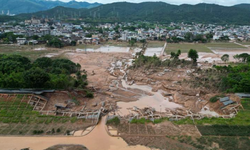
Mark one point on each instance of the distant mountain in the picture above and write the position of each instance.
(30, 6)
(152, 11)
(245, 6)
(58, 12)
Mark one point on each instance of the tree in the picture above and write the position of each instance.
(58, 130)
(143, 41)
(200, 38)
(193, 55)
(53, 131)
(73, 43)
(248, 59)
(132, 42)
(88, 35)
(78, 66)
(225, 57)
(43, 62)
(236, 57)
(9, 37)
(64, 65)
(36, 78)
(189, 37)
(55, 42)
(243, 57)
(100, 30)
(35, 37)
(176, 55)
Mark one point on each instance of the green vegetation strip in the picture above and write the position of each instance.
(114, 121)
(223, 45)
(210, 142)
(225, 130)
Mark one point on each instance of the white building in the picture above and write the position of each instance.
(21, 41)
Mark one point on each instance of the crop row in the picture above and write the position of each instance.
(225, 130)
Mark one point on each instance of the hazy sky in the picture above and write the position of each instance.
(221, 2)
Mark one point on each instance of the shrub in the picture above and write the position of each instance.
(73, 120)
(68, 132)
(89, 94)
(34, 132)
(53, 131)
(140, 121)
(58, 130)
(214, 99)
(114, 121)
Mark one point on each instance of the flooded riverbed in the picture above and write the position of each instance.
(98, 139)
(157, 100)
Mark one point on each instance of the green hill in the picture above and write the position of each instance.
(152, 11)
(30, 6)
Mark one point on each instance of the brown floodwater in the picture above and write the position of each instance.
(156, 100)
(98, 139)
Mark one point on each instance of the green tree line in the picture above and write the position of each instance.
(19, 72)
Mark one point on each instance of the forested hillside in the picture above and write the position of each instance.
(30, 6)
(150, 11)
(154, 11)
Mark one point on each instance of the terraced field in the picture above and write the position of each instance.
(17, 117)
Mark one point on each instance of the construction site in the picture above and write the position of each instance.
(153, 106)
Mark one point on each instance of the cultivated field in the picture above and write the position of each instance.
(155, 44)
(17, 117)
(223, 45)
(245, 43)
(185, 47)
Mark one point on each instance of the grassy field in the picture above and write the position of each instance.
(119, 44)
(32, 54)
(226, 143)
(245, 43)
(18, 118)
(155, 44)
(83, 46)
(25, 50)
(185, 47)
(223, 45)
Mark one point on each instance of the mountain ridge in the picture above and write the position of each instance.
(151, 11)
(31, 6)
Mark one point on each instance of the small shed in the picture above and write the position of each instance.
(21, 41)
(228, 102)
(224, 99)
(243, 95)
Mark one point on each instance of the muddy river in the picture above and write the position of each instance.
(98, 139)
